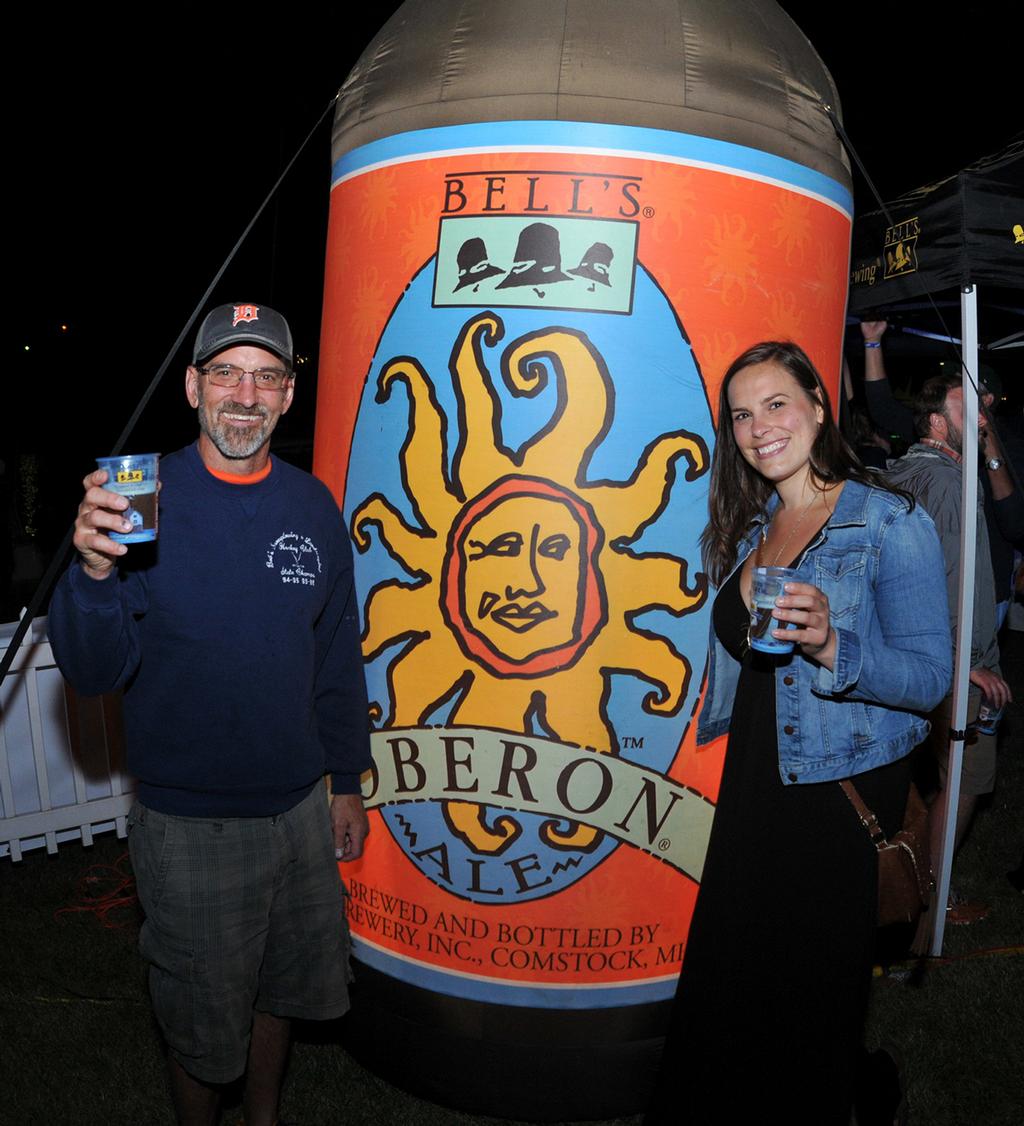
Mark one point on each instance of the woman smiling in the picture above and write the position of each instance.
(771, 999)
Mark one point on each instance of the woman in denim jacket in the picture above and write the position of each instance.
(771, 999)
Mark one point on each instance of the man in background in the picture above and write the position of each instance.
(930, 471)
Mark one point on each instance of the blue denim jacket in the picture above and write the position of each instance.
(882, 570)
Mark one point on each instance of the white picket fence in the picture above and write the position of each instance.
(61, 755)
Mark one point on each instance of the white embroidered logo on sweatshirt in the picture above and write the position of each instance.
(295, 558)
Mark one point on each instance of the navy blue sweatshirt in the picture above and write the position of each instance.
(235, 637)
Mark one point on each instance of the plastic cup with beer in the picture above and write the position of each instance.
(134, 476)
(767, 584)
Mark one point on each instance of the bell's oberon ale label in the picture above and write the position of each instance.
(525, 326)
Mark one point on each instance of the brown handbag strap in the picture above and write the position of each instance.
(867, 818)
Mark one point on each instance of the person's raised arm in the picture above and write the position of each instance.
(874, 361)
(887, 413)
(92, 622)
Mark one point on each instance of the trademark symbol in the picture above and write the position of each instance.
(633, 742)
(664, 844)
(648, 212)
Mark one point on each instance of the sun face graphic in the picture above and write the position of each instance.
(376, 209)
(368, 304)
(791, 226)
(827, 284)
(785, 320)
(414, 239)
(732, 261)
(524, 583)
(521, 586)
(717, 351)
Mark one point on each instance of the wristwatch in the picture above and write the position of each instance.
(994, 463)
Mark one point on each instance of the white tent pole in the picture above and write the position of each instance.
(965, 615)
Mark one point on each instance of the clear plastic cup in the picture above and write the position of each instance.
(767, 584)
(988, 719)
(135, 476)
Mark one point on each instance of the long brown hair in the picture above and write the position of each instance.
(738, 491)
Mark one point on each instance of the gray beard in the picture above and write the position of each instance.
(232, 443)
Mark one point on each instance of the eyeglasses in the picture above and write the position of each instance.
(229, 375)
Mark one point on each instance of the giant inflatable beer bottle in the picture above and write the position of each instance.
(553, 223)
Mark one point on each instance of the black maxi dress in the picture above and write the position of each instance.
(768, 1016)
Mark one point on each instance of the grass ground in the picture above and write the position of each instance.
(79, 1046)
(958, 1021)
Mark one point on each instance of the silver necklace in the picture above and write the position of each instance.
(789, 539)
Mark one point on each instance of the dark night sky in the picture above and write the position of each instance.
(136, 164)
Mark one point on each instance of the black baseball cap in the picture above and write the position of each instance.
(243, 323)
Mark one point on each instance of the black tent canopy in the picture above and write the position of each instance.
(965, 230)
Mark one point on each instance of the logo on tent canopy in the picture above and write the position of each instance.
(901, 248)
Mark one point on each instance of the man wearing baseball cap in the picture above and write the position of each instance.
(235, 638)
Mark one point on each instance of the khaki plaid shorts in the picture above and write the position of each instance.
(241, 914)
